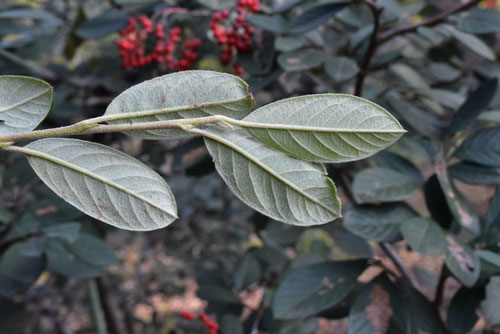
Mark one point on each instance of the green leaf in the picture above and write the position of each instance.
(309, 19)
(215, 4)
(65, 231)
(19, 267)
(9, 287)
(24, 103)
(277, 185)
(481, 148)
(103, 183)
(462, 312)
(61, 261)
(286, 44)
(461, 261)
(489, 256)
(418, 119)
(475, 104)
(217, 294)
(33, 247)
(181, 95)
(470, 41)
(311, 289)
(492, 218)
(247, 272)
(378, 223)
(102, 25)
(490, 116)
(91, 250)
(410, 76)
(424, 236)
(341, 68)
(379, 184)
(443, 72)
(324, 127)
(479, 21)
(273, 23)
(302, 326)
(459, 206)
(474, 174)
(301, 60)
(230, 324)
(398, 163)
(490, 306)
(5, 215)
(313, 16)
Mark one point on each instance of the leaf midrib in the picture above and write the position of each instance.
(153, 112)
(274, 126)
(77, 169)
(261, 165)
(20, 103)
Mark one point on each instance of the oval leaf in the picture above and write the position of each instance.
(462, 312)
(314, 288)
(482, 148)
(17, 266)
(474, 174)
(284, 188)
(461, 261)
(378, 223)
(424, 235)
(187, 94)
(24, 103)
(378, 184)
(102, 25)
(103, 183)
(341, 68)
(479, 21)
(301, 60)
(324, 127)
(475, 104)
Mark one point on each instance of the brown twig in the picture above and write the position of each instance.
(393, 255)
(109, 308)
(389, 34)
(438, 298)
(372, 47)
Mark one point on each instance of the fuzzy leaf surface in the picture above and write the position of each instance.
(103, 183)
(24, 103)
(324, 127)
(187, 94)
(277, 185)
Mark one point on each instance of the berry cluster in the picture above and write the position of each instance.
(211, 325)
(132, 47)
(233, 33)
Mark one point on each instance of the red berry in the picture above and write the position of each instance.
(187, 315)
(238, 69)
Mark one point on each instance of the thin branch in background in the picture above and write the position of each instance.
(393, 255)
(443, 17)
(372, 47)
(109, 306)
(30, 65)
(100, 322)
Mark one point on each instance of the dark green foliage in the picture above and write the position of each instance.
(431, 199)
